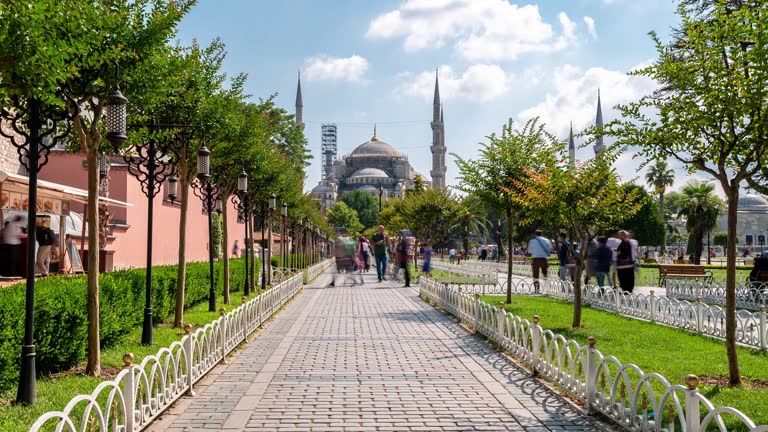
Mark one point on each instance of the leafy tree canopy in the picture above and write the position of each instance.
(365, 205)
(340, 215)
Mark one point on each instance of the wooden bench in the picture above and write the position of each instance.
(667, 271)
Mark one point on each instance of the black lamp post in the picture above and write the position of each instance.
(208, 193)
(151, 163)
(36, 128)
(381, 193)
(299, 247)
(240, 200)
(308, 237)
(283, 252)
(272, 208)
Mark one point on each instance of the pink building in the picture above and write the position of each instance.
(128, 237)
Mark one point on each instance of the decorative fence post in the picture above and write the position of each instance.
(763, 330)
(617, 297)
(223, 335)
(535, 345)
(653, 306)
(129, 393)
(476, 314)
(699, 315)
(501, 318)
(189, 344)
(591, 372)
(692, 412)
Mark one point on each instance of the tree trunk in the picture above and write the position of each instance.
(661, 211)
(94, 345)
(580, 264)
(225, 243)
(181, 271)
(509, 258)
(734, 378)
(698, 246)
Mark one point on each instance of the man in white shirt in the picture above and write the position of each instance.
(12, 235)
(539, 248)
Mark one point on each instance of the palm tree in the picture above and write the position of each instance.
(659, 176)
(701, 207)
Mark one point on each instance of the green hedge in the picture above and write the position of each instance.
(61, 322)
(292, 260)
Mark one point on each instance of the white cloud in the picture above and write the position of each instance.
(326, 68)
(573, 96)
(590, 22)
(481, 30)
(478, 83)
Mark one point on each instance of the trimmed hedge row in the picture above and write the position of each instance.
(61, 321)
(292, 260)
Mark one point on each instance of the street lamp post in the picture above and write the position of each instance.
(299, 248)
(240, 200)
(151, 163)
(308, 242)
(272, 207)
(283, 252)
(208, 193)
(36, 128)
(381, 193)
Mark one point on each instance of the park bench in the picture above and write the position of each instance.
(667, 271)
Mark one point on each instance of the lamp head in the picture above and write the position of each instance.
(117, 118)
(203, 163)
(173, 187)
(272, 202)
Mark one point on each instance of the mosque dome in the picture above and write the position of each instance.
(369, 172)
(752, 200)
(374, 147)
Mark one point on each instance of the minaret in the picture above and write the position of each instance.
(599, 146)
(571, 150)
(438, 141)
(299, 105)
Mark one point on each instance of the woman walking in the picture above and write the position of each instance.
(625, 263)
(363, 248)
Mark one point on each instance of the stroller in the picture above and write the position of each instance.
(347, 262)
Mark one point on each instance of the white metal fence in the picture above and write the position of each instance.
(636, 400)
(696, 316)
(750, 295)
(139, 393)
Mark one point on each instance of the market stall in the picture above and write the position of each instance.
(53, 203)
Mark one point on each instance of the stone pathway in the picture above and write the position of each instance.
(369, 358)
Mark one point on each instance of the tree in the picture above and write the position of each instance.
(503, 161)
(586, 199)
(432, 215)
(98, 34)
(709, 113)
(659, 176)
(721, 239)
(340, 215)
(646, 225)
(365, 205)
(701, 208)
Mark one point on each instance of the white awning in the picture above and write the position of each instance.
(19, 183)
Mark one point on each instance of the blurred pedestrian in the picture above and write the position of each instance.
(12, 235)
(539, 248)
(44, 237)
(625, 263)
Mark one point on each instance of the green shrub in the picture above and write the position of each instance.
(61, 320)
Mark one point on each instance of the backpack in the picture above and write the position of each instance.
(45, 237)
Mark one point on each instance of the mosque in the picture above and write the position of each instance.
(376, 167)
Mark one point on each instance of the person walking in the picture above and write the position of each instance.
(426, 266)
(603, 259)
(404, 243)
(12, 235)
(452, 255)
(562, 256)
(539, 248)
(236, 250)
(363, 254)
(380, 243)
(625, 263)
(44, 242)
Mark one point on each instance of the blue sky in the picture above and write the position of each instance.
(366, 62)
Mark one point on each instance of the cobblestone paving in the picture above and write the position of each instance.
(370, 358)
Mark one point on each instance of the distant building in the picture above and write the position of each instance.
(752, 221)
(377, 168)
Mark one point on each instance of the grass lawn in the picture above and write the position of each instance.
(670, 352)
(445, 277)
(54, 392)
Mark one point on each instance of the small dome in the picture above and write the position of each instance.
(321, 188)
(374, 147)
(369, 172)
(751, 200)
(369, 189)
